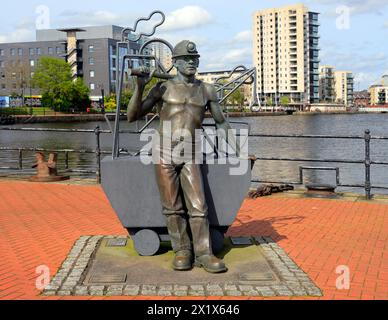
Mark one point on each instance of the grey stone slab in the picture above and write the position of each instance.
(215, 293)
(196, 293)
(245, 288)
(233, 293)
(266, 292)
(166, 287)
(178, 287)
(164, 293)
(197, 288)
(148, 292)
(81, 290)
(213, 287)
(230, 287)
(252, 293)
(181, 293)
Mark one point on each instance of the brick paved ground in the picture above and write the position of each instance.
(39, 224)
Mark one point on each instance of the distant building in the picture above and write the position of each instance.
(326, 84)
(344, 87)
(286, 54)
(212, 76)
(379, 92)
(361, 99)
(91, 52)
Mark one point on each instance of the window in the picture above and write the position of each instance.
(91, 73)
(50, 50)
(113, 63)
(14, 85)
(91, 61)
(38, 51)
(13, 52)
(20, 51)
(1, 64)
(1, 52)
(58, 50)
(32, 51)
(92, 86)
(91, 48)
(3, 86)
(32, 63)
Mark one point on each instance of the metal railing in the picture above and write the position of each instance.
(367, 162)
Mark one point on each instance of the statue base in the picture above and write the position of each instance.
(110, 266)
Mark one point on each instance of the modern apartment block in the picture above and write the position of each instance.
(91, 52)
(344, 87)
(212, 76)
(379, 92)
(286, 54)
(326, 84)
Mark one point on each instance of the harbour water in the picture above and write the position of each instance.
(318, 124)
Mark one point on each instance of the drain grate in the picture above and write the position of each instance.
(116, 242)
(108, 278)
(257, 276)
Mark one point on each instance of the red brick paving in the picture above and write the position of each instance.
(39, 224)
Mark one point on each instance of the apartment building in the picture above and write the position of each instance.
(344, 87)
(379, 92)
(212, 76)
(286, 54)
(326, 84)
(91, 52)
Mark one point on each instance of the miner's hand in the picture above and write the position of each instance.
(145, 78)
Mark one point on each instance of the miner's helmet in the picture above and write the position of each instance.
(185, 48)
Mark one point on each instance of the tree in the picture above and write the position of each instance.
(236, 98)
(269, 101)
(59, 91)
(284, 100)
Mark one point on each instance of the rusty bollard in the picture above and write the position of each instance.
(47, 171)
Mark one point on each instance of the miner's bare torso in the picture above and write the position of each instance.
(184, 106)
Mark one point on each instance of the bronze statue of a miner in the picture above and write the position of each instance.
(183, 101)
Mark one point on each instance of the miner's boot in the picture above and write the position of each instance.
(180, 242)
(202, 247)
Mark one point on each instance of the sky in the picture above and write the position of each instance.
(354, 33)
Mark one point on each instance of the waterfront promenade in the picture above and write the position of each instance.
(39, 224)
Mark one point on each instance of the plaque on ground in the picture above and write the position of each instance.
(110, 266)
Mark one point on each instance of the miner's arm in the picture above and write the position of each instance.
(222, 124)
(137, 107)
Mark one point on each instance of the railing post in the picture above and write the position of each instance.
(98, 153)
(67, 160)
(367, 138)
(20, 159)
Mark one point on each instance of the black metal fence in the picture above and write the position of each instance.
(367, 162)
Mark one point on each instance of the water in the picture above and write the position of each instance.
(321, 124)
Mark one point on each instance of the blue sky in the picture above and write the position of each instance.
(222, 28)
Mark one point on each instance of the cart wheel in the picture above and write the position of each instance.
(217, 240)
(147, 242)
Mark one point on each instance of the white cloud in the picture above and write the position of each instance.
(83, 19)
(243, 36)
(228, 59)
(186, 18)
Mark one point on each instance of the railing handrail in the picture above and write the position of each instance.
(251, 135)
